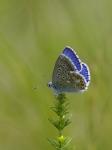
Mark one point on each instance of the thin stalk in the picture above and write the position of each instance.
(61, 109)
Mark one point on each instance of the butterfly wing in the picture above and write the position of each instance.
(85, 73)
(65, 78)
(71, 54)
(62, 69)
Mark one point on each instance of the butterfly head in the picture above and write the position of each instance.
(50, 85)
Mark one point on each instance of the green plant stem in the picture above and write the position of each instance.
(61, 99)
(61, 110)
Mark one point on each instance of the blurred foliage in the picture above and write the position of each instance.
(32, 35)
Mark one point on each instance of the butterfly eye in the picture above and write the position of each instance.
(49, 84)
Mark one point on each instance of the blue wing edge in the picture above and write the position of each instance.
(69, 53)
(85, 72)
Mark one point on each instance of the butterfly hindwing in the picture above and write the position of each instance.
(85, 73)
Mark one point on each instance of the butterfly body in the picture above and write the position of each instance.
(69, 74)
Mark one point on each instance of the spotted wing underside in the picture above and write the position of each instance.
(65, 78)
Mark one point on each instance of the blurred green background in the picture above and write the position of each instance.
(32, 35)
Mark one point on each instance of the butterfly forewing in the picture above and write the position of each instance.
(62, 69)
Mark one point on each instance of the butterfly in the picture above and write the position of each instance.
(70, 74)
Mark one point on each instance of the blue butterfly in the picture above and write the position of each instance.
(70, 74)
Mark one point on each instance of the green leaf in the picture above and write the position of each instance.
(53, 142)
(67, 142)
